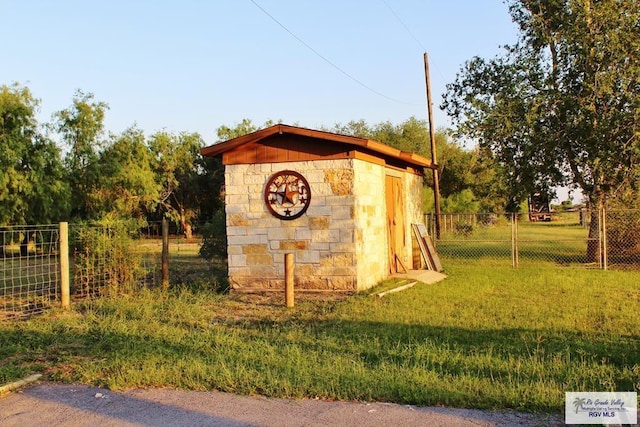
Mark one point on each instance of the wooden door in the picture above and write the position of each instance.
(395, 222)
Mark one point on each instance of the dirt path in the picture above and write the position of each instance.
(54, 404)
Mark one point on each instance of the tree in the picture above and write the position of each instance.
(460, 169)
(246, 126)
(81, 126)
(358, 128)
(128, 187)
(562, 106)
(412, 135)
(176, 163)
(49, 199)
(462, 202)
(32, 186)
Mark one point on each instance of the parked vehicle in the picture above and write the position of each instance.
(539, 207)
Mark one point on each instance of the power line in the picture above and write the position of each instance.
(424, 49)
(325, 59)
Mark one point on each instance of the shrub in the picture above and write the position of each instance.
(462, 202)
(103, 258)
(623, 235)
(214, 237)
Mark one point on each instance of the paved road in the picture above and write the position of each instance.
(53, 404)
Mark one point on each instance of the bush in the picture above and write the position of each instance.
(462, 202)
(623, 235)
(103, 259)
(214, 237)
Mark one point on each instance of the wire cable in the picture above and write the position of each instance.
(326, 59)
(424, 49)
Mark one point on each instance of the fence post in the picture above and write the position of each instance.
(165, 253)
(63, 251)
(516, 239)
(427, 222)
(288, 279)
(605, 248)
(600, 240)
(513, 242)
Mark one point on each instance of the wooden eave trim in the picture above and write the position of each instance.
(407, 169)
(417, 159)
(381, 148)
(377, 160)
(217, 149)
(319, 134)
(359, 155)
(369, 144)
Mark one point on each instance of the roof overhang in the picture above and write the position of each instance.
(368, 144)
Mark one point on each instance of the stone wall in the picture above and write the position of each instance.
(415, 215)
(339, 244)
(370, 223)
(322, 240)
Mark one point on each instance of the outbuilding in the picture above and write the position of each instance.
(342, 205)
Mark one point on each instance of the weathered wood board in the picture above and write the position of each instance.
(427, 248)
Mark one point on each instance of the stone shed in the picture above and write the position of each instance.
(342, 205)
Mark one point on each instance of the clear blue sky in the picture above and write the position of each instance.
(196, 65)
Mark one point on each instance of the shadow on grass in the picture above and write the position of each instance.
(197, 273)
(332, 358)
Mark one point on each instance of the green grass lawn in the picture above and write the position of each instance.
(486, 337)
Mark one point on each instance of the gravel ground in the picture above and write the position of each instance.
(53, 404)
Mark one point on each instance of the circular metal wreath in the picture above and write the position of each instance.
(287, 195)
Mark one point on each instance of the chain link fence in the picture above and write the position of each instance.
(599, 239)
(622, 238)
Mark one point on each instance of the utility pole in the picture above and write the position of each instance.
(432, 137)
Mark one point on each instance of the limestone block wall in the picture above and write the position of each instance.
(322, 240)
(370, 223)
(340, 243)
(415, 215)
